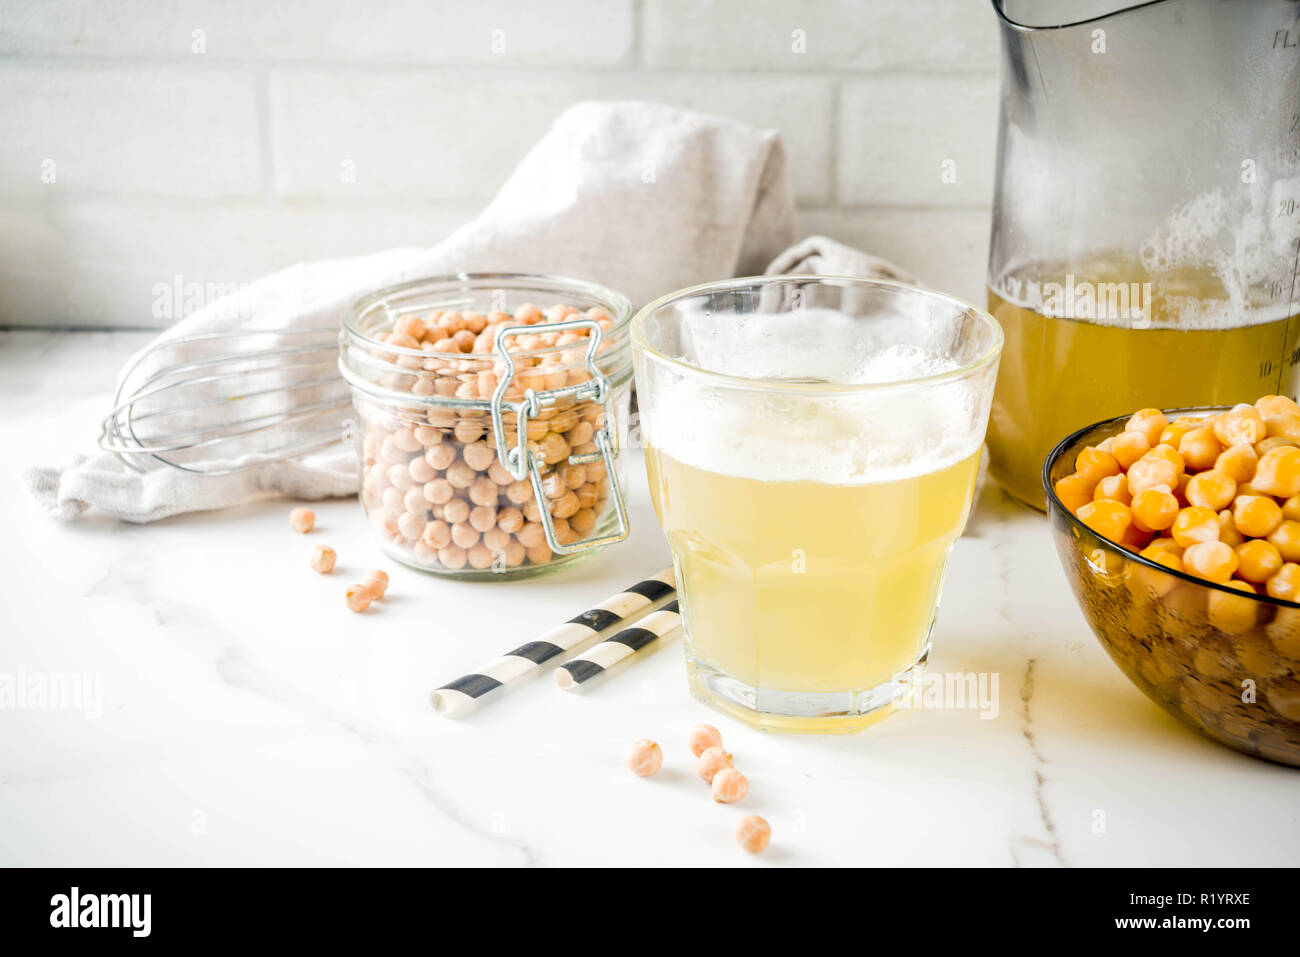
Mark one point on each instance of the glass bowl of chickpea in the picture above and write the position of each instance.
(450, 377)
(1190, 575)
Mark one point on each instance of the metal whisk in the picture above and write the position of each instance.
(221, 402)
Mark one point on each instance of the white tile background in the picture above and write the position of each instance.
(221, 165)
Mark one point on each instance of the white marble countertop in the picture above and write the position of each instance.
(247, 717)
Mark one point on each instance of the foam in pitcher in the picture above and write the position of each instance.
(875, 435)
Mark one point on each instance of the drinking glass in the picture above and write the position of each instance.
(812, 445)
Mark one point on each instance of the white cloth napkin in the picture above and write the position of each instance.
(639, 197)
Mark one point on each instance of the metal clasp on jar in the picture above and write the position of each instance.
(523, 465)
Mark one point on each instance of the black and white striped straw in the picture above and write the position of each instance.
(462, 695)
(600, 657)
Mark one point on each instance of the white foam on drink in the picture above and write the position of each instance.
(876, 435)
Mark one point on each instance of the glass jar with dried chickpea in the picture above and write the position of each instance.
(441, 371)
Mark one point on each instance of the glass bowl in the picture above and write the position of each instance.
(1223, 661)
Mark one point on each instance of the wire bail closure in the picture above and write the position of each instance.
(523, 466)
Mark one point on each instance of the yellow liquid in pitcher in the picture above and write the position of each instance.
(1058, 375)
(804, 586)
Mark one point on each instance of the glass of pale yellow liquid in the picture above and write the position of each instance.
(812, 445)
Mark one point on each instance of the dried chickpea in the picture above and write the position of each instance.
(323, 558)
(1113, 488)
(1199, 449)
(1128, 447)
(1211, 488)
(703, 737)
(1286, 583)
(1257, 560)
(1256, 516)
(358, 598)
(302, 520)
(729, 786)
(1286, 539)
(711, 761)
(377, 582)
(1154, 509)
(645, 758)
(1195, 524)
(1213, 560)
(754, 833)
(1110, 520)
(1149, 422)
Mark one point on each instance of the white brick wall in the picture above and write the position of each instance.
(146, 139)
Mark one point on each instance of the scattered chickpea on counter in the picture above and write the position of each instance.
(645, 758)
(1216, 497)
(323, 558)
(715, 768)
(302, 520)
(754, 833)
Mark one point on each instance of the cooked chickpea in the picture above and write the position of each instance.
(711, 761)
(1074, 491)
(1113, 488)
(1242, 423)
(754, 833)
(1229, 534)
(1286, 539)
(302, 520)
(1286, 583)
(1213, 560)
(377, 582)
(1256, 515)
(1278, 472)
(323, 558)
(1258, 560)
(1148, 472)
(729, 786)
(1108, 519)
(1212, 488)
(1128, 447)
(1200, 449)
(1233, 614)
(1154, 509)
(1096, 463)
(703, 737)
(1195, 524)
(645, 758)
(1238, 461)
(358, 598)
(1149, 422)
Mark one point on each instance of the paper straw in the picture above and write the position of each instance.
(462, 695)
(615, 648)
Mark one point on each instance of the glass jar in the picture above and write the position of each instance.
(450, 376)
